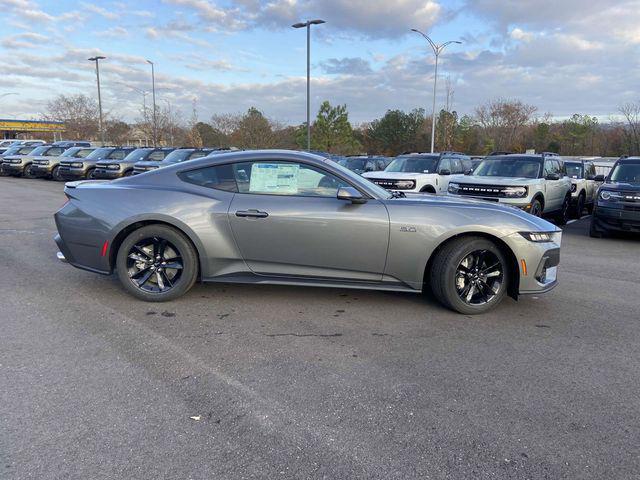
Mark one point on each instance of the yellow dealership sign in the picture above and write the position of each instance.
(30, 126)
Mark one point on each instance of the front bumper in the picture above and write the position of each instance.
(71, 172)
(619, 219)
(13, 168)
(41, 170)
(107, 174)
(537, 263)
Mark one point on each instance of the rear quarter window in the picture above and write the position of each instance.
(219, 177)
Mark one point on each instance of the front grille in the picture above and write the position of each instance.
(630, 197)
(392, 184)
(496, 191)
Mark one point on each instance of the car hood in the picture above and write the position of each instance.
(507, 181)
(633, 187)
(396, 175)
(450, 201)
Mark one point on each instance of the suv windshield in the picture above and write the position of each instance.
(99, 153)
(138, 154)
(423, 164)
(574, 169)
(39, 150)
(516, 167)
(178, 155)
(353, 163)
(77, 152)
(626, 172)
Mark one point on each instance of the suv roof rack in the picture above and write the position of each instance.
(499, 152)
(550, 154)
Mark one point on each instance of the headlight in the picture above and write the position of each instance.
(115, 166)
(42, 162)
(77, 164)
(517, 192)
(538, 237)
(607, 195)
(454, 187)
(405, 184)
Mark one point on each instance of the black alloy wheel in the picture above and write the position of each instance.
(479, 277)
(55, 174)
(563, 216)
(154, 265)
(91, 174)
(580, 206)
(536, 208)
(27, 172)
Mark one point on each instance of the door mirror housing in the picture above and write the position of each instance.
(590, 177)
(350, 194)
(468, 172)
(552, 176)
(445, 171)
(599, 178)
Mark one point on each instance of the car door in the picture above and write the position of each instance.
(287, 221)
(553, 187)
(442, 181)
(591, 187)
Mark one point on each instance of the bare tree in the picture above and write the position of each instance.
(79, 114)
(504, 123)
(631, 113)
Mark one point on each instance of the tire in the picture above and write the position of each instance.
(26, 173)
(55, 174)
(450, 283)
(91, 174)
(141, 271)
(562, 217)
(128, 173)
(536, 208)
(594, 231)
(579, 208)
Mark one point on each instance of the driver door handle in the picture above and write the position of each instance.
(251, 214)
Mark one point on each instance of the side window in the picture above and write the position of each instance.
(219, 177)
(285, 178)
(457, 165)
(445, 164)
(381, 164)
(551, 167)
(54, 152)
(157, 155)
(117, 155)
(467, 165)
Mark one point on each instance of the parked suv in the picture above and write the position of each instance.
(537, 184)
(51, 167)
(584, 188)
(110, 169)
(47, 164)
(11, 154)
(617, 205)
(22, 165)
(78, 168)
(365, 163)
(421, 172)
(177, 156)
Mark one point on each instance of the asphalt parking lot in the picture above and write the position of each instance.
(236, 381)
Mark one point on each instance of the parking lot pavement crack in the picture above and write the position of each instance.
(322, 335)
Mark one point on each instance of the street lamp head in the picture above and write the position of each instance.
(307, 23)
(299, 25)
(149, 62)
(316, 22)
(96, 58)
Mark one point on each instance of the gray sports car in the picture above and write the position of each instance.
(294, 218)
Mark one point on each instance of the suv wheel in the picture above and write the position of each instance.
(563, 215)
(536, 208)
(579, 208)
(27, 173)
(157, 263)
(55, 174)
(91, 174)
(470, 275)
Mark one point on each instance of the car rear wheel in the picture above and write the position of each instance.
(563, 215)
(577, 213)
(470, 275)
(157, 263)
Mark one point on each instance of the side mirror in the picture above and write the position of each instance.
(350, 194)
(599, 178)
(552, 176)
(445, 171)
(468, 172)
(589, 177)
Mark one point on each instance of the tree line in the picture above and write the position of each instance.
(497, 125)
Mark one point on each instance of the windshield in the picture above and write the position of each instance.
(99, 153)
(626, 173)
(353, 163)
(515, 167)
(77, 152)
(414, 164)
(25, 150)
(138, 154)
(7, 143)
(574, 169)
(39, 150)
(12, 150)
(179, 155)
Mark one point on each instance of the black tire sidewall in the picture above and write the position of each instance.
(455, 255)
(185, 248)
(536, 201)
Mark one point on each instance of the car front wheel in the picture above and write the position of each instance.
(470, 275)
(27, 173)
(157, 263)
(563, 215)
(536, 208)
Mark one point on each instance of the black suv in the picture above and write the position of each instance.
(617, 206)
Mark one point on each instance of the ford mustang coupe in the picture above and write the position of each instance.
(293, 218)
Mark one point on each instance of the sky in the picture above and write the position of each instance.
(563, 56)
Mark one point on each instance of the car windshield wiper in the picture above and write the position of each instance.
(396, 194)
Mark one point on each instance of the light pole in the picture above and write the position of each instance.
(308, 24)
(437, 50)
(153, 89)
(97, 59)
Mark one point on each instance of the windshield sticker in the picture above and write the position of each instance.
(274, 178)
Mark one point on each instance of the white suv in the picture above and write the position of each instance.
(584, 187)
(537, 184)
(421, 172)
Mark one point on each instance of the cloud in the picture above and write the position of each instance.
(103, 12)
(113, 32)
(346, 66)
(29, 40)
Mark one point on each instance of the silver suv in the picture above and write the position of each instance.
(584, 187)
(537, 184)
